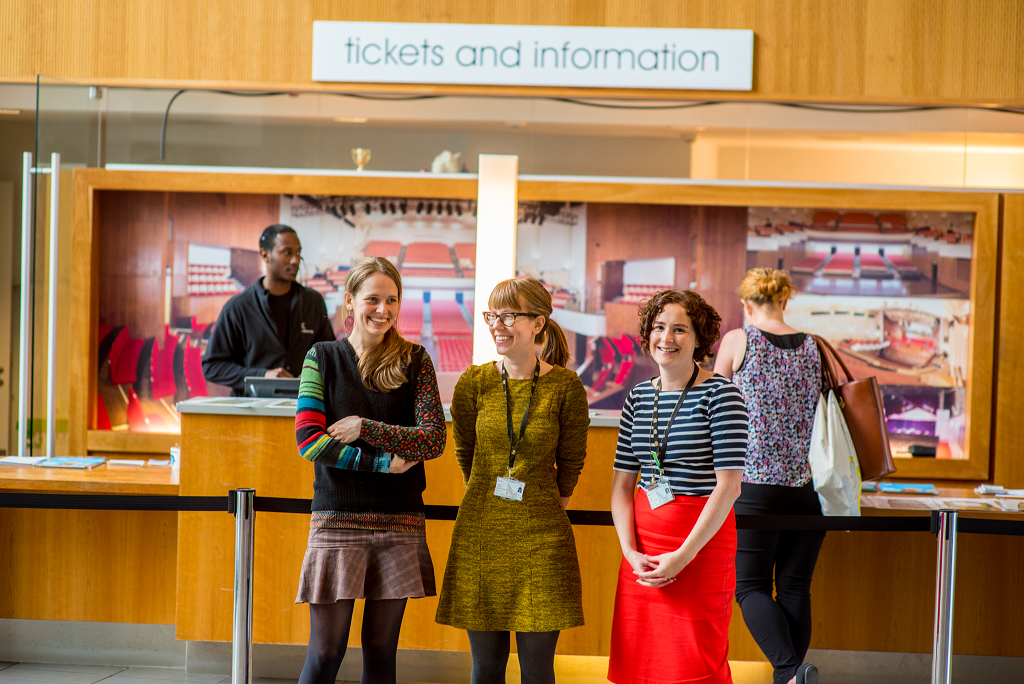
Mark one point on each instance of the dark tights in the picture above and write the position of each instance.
(490, 656)
(328, 638)
(781, 563)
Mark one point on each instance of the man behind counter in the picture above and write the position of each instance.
(267, 329)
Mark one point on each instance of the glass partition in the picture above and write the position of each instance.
(68, 123)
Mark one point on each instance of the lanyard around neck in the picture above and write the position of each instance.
(660, 445)
(508, 413)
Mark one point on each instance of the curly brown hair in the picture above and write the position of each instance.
(706, 321)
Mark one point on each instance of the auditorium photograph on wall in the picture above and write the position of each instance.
(890, 289)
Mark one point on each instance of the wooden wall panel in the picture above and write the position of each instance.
(224, 219)
(136, 251)
(132, 236)
(618, 232)
(707, 242)
(722, 260)
(1009, 373)
(96, 566)
(950, 51)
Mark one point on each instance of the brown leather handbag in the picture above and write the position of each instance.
(861, 402)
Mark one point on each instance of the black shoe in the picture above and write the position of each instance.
(807, 674)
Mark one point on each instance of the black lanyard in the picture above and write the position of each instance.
(508, 413)
(660, 446)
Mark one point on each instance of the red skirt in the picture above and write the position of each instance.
(679, 633)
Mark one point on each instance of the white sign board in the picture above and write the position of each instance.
(568, 56)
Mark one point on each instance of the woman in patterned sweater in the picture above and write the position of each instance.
(369, 414)
(778, 370)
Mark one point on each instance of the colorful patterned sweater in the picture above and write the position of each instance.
(424, 441)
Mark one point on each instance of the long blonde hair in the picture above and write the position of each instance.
(530, 294)
(383, 367)
(767, 285)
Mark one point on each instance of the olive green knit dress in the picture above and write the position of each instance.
(512, 564)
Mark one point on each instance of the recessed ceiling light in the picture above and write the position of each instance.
(13, 112)
(351, 119)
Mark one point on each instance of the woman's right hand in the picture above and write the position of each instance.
(640, 563)
(400, 465)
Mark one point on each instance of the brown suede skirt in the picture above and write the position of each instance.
(350, 563)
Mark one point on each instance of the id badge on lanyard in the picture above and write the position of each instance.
(509, 488)
(658, 490)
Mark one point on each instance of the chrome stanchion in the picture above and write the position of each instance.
(945, 581)
(241, 644)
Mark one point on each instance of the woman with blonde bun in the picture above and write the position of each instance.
(520, 428)
(778, 370)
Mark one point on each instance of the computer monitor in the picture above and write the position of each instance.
(272, 388)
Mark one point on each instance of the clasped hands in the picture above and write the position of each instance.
(347, 430)
(657, 571)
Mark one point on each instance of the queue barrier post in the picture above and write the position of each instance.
(945, 585)
(241, 640)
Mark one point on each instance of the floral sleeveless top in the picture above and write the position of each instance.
(781, 389)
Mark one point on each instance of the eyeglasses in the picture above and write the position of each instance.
(508, 318)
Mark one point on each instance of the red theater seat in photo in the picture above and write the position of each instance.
(383, 248)
(466, 251)
(137, 420)
(456, 353)
(810, 264)
(627, 349)
(102, 417)
(124, 371)
(426, 254)
(428, 272)
(194, 371)
(410, 318)
(858, 222)
(162, 367)
(825, 220)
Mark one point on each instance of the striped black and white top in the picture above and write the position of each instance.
(709, 434)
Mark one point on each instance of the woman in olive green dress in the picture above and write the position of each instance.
(520, 427)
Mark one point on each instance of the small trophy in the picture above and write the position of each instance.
(360, 156)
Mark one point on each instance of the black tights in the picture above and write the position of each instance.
(328, 638)
(490, 656)
(773, 575)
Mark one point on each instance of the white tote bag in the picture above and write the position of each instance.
(833, 459)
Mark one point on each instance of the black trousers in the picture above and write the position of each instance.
(773, 574)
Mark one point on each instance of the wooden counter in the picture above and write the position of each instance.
(101, 566)
(872, 591)
(103, 479)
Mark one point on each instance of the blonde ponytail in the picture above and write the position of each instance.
(556, 348)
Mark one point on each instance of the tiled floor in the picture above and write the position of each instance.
(41, 673)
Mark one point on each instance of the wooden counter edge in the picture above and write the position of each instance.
(100, 480)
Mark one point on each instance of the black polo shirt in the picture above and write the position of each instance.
(246, 340)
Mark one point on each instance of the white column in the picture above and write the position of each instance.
(51, 330)
(496, 218)
(25, 348)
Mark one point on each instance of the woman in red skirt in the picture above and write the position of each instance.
(684, 433)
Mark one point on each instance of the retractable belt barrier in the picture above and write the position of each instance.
(243, 504)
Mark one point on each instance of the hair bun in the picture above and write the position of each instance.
(763, 285)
